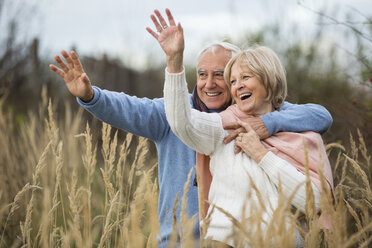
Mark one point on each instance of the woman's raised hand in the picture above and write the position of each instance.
(74, 76)
(170, 38)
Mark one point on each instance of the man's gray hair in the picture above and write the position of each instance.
(212, 47)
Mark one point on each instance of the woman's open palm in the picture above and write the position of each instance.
(169, 37)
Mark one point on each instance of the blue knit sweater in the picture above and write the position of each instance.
(145, 117)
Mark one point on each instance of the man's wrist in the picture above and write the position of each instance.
(89, 97)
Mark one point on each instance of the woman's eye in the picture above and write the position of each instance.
(246, 76)
(232, 81)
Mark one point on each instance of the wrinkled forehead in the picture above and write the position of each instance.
(213, 59)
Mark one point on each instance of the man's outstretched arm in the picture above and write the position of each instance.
(290, 118)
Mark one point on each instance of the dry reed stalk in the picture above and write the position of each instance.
(57, 187)
(130, 184)
(75, 209)
(45, 221)
(141, 152)
(124, 152)
(89, 162)
(282, 225)
(336, 165)
(362, 175)
(355, 238)
(173, 240)
(328, 147)
(353, 147)
(66, 240)
(136, 237)
(120, 186)
(26, 227)
(187, 223)
(108, 148)
(15, 205)
(108, 227)
(358, 222)
(108, 184)
(151, 200)
(364, 152)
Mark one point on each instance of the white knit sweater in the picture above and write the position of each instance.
(231, 188)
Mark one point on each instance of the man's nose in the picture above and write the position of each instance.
(210, 82)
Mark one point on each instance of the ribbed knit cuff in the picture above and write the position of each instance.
(174, 80)
(270, 163)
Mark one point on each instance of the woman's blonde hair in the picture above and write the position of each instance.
(266, 66)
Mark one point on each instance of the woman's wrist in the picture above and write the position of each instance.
(260, 154)
(175, 63)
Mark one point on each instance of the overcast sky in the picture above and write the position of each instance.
(117, 27)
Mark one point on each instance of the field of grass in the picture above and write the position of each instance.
(63, 184)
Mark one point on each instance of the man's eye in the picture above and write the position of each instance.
(218, 75)
(203, 75)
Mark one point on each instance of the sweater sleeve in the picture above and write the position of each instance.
(199, 130)
(278, 169)
(140, 116)
(298, 118)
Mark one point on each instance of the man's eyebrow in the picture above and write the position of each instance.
(217, 70)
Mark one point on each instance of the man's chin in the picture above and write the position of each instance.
(214, 106)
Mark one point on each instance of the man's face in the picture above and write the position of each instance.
(211, 87)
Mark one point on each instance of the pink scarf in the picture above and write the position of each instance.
(286, 145)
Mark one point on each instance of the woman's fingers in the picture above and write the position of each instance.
(152, 32)
(163, 23)
(158, 27)
(170, 17)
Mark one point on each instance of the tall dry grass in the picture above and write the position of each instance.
(57, 190)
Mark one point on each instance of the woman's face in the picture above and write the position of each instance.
(248, 92)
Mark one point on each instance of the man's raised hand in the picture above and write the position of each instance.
(74, 76)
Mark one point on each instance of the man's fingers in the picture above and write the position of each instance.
(68, 59)
(170, 17)
(57, 70)
(232, 125)
(61, 64)
(245, 125)
(153, 33)
(161, 19)
(232, 135)
(237, 149)
(76, 61)
(85, 78)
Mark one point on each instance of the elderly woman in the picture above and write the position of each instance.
(240, 182)
(245, 181)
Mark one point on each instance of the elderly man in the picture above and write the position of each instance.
(145, 117)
